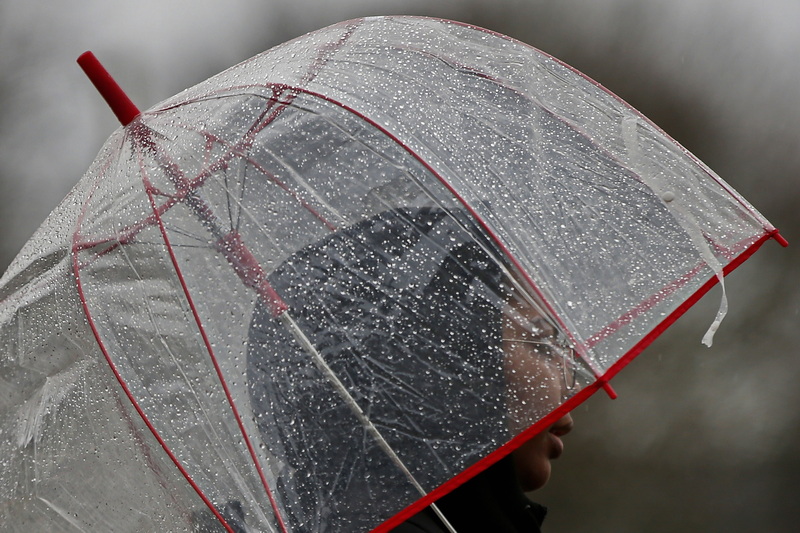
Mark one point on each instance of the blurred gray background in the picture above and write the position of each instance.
(700, 439)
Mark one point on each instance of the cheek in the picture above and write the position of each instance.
(533, 390)
(532, 463)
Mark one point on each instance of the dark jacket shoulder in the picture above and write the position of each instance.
(492, 502)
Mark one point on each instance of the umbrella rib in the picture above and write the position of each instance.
(239, 202)
(290, 324)
(227, 196)
(206, 341)
(174, 359)
(236, 151)
(76, 267)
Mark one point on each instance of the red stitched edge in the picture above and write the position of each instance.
(84, 303)
(573, 402)
(210, 350)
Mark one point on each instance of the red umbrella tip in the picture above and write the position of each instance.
(115, 97)
(778, 237)
(610, 391)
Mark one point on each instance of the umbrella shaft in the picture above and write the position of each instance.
(320, 363)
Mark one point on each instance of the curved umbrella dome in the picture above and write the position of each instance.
(518, 137)
(611, 227)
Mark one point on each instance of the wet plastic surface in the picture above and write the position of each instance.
(458, 229)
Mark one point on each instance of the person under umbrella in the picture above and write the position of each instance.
(423, 324)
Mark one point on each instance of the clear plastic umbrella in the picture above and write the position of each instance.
(298, 296)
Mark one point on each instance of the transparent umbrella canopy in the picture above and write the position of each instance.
(292, 297)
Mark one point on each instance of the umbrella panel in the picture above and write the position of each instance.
(66, 421)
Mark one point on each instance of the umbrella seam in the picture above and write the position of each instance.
(574, 401)
(210, 351)
(76, 248)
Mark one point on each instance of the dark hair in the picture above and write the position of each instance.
(405, 307)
